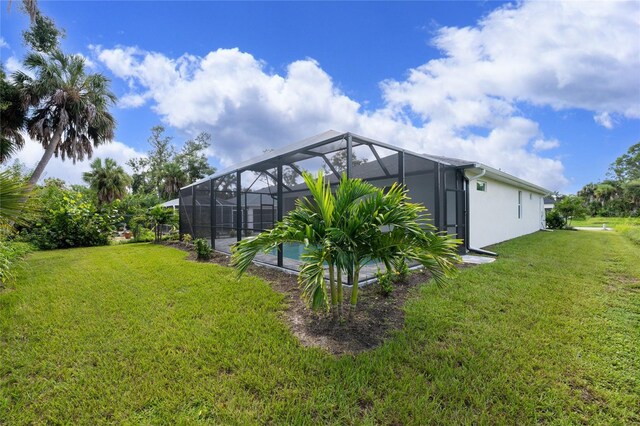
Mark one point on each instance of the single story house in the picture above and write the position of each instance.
(478, 204)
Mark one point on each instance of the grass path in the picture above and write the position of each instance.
(136, 334)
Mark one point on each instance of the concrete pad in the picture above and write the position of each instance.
(477, 260)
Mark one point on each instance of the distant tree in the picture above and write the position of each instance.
(339, 162)
(627, 166)
(193, 160)
(109, 181)
(69, 107)
(289, 174)
(163, 171)
(174, 178)
(140, 180)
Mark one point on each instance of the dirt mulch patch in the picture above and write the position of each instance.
(374, 321)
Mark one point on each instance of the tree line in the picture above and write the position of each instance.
(616, 196)
(66, 109)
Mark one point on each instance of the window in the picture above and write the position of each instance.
(519, 204)
(481, 186)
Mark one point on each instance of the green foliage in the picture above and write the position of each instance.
(13, 118)
(158, 217)
(43, 35)
(385, 281)
(401, 269)
(627, 166)
(345, 230)
(14, 193)
(203, 249)
(619, 196)
(163, 171)
(186, 239)
(554, 219)
(68, 218)
(11, 254)
(571, 207)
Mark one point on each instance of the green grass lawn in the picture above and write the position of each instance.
(610, 222)
(627, 226)
(135, 334)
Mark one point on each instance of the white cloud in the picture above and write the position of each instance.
(604, 119)
(464, 104)
(132, 100)
(71, 173)
(14, 64)
(3, 43)
(543, 144)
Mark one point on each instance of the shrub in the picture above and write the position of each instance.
(68, 218)
(173, 236)
(385, 280)
(554, 219)
(401, 270)
(143, 235)
(11, 254)
(186, 239)
(203, 249)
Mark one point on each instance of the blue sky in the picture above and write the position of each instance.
(548, 91)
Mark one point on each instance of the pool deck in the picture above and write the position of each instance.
(367, 272)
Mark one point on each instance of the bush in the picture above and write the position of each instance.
(401, 270)
(173, 236)
(11, 254)
(68, 218)
(186, 239)
(385, 279)
(203, 249)
(555, 220)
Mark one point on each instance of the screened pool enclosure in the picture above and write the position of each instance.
(250, 197)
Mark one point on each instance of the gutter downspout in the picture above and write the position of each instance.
(473, 249)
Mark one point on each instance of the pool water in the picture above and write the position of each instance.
(291, 251)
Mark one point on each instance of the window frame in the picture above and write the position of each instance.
(519, 204)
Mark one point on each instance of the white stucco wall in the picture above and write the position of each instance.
(493, 215)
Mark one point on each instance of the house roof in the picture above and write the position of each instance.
(171, 203)
(332, 140)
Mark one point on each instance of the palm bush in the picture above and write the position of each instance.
(346, 230)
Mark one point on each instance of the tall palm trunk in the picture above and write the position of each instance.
(334, 295)
(340, 292)
(354, 293)
(48, 153)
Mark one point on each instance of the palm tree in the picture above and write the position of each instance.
(70, 108)
(173, 178)
(346, 230)
(12, 118)
(13, 195)
(110, 182)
